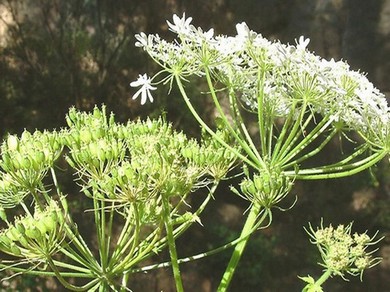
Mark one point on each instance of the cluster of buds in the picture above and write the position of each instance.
(342, 252)
(24, 162)
(266, 189)
(136, 163)
(93, 147)
(35, 152)
(34, 237)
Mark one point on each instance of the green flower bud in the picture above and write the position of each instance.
(85, 135)
(96, 162)
(20, 227)
(26, 163)
(12, 143)
(55, 144)
(49, 222)
(3, 215)
(15, 250)
(60, 216)
(26, 136)
(23, 241)
(13, 233)
(97, 133)
(97, 113)
(101, 154)
(93, 149)
(258, 182)
(5, 240)
(41, 225)
(40, 157)
(33, 232)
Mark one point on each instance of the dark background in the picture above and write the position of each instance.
(55, 54)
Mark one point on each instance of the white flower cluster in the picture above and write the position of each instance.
(283, 78)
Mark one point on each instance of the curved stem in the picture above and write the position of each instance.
(307, 140)
(340, 171)
(311, 153)
(66, 284)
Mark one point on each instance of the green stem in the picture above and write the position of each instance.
(263, 128)
(197, 256)
(341, 171)
(239, 248)
(207, 128)
(250, 150)
(172, 246)
(66, 284)
(323, 278)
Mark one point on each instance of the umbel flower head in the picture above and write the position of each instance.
(287, 78)
(343, 252)
(24, 162)
(35, 237)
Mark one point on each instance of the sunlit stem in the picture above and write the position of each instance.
(128, 239)
(311, 153)
(307, 140)
(240, 247)
(293, 135)
(340, 171)
(238, 120)
(325, 276)
(263, 128)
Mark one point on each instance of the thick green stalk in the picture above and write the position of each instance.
(172, 246)
(240, 247)
(325, 276)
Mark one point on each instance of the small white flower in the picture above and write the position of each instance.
(180, 25)
(146, 86)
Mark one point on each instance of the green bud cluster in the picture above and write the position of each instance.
(137, 163)
(266, 188)
(34, 237)
(343, 253)
(94, 146)
(35, 152)
(24, 162)
(217, 159)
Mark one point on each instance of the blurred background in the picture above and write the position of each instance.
(55, 54)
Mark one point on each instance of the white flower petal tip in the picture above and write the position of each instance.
(302, 43)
